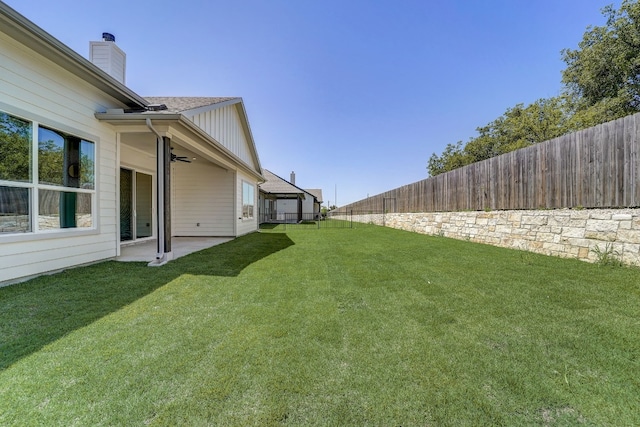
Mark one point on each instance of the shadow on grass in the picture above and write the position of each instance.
(268, 226)
(40, 311)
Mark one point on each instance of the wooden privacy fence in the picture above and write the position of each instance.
(593, 168)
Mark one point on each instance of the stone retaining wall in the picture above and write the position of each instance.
(567, 233)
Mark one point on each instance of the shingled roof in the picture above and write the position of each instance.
(276, 185)
(178, 104)
(316, 192)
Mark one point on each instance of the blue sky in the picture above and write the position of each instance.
(352, 95)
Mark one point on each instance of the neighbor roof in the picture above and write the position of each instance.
(276, 185)
(316, 192)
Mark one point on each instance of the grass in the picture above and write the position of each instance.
(365, 326)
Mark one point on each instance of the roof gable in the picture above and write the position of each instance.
(223, 118)
(276, 185)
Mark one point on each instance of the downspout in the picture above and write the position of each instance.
(159, 194)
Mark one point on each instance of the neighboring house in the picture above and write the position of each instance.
(88, 165)
(283, 201)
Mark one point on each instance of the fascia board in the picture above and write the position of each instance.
(247, 128)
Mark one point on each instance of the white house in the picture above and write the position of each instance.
(87, 165)
(283, 201)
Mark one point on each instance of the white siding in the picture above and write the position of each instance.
(110, 58)
(307, 205)
(37, 89)
(287, 206)
(202, 194)
(225, 126)
(135, 158)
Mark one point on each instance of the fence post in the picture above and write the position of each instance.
(351, 218)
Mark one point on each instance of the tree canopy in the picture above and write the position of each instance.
(601, 83)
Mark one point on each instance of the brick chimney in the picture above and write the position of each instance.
(293, 178)
(109, 57)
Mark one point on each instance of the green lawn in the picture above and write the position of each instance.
(364, 326)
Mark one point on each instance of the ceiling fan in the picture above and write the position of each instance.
(175, 158)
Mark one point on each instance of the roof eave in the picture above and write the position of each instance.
(127, 118)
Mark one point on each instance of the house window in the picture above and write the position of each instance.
(248, 200)
(62, 194)
(65, 160)
(15, 174)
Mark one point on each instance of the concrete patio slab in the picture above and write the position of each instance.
(146, 252)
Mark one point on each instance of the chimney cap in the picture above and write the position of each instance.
(108, 37)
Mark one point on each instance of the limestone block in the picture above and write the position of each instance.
(535, 219)
(622, 217)
(559, 219)
(602, 226)
(581, 243)
(503, 229)
(573, 232)
(536, 244)
(515, 217)
(577, 223)
(603, 215)
(629, 236)
(554, 247)
(624, 225)
(583, 253)
(599, 235)
(579, 215)
(631, 248)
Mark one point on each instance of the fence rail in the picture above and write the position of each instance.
(597, 167)
(294, 221)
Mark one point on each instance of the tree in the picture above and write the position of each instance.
(606, 65)
(518, 127)
(453, 157)
(601, 83)
(15, 146)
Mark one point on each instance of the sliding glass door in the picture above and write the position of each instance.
(136, 205)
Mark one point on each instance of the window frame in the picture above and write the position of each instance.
(34, 187)
(252, 206)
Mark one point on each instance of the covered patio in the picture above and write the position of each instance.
(181, 246)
